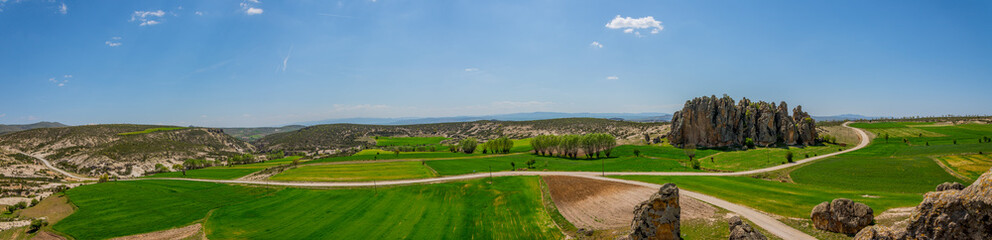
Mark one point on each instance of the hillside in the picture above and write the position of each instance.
(22, 127)
(341, 136)
(252, 134)
(122, 149)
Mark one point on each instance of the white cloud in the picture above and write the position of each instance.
(612, 78)
(60, 82)
(253, 11)
(629, 24)
(114, 41)
(249, 7)
(198, 13)
(67, 76)
(286, 60)
(63, 9)
(596, 44)
(471, 69)
(147, 18)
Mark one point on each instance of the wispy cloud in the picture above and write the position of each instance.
(632, 25)
(63, 9)
(113, 42)
(249, 7)
(286, 60)
(471, 69)
(60, 82)
(612, 78)
(596, 44)
(198, 13)
(147, 18)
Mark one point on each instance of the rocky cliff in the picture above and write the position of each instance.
(718, 122)
(948, 213)
(658, 217)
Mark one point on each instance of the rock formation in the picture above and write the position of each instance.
(949, 186)
(946, 214)
(740, 230)
(717, 122)
(658, 217)
(842, 215)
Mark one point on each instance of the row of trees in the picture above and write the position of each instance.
(569, 145)
(500, 145)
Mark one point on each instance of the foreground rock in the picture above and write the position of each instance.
(949, 186)
(658, 217)
(739, 230)
(717, 122)
(842, 215)
(947, 214)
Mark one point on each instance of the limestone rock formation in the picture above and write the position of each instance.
(658, 217)
(947, 214)
(949, 186)
(842, 215)
(740, 230)
(718, 122)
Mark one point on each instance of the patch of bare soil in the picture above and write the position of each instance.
(46, 235)
(595, 204)
(53, 209)
(187, 232)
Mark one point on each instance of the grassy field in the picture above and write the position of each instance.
(762, 157)
(151, 130)
(408, 141)
(786, 199)
(971, 166)
(508, 208)
(356, 172)
(502, 163)
(227, 172)
(124, 208)
(904, 175)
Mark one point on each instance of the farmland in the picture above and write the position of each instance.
(227, 172)
(971, 166)
(408, 141)
(357, 172)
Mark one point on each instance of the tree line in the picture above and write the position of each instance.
(591, 145)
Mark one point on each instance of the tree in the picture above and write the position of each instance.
(34, 202)
(468, 145)
(161, 168)
(886, 137)
(647, 138)
(695, 164)
(530, 163)
(103, 178)
(690, 151)
(788, 156)
(296, 161)
(749, 142)
(178, 167)
(955, 142)
(36, 225)
(637, 152)
(513, 166)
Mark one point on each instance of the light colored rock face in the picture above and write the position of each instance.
(659, 216)
(718, 122)
(739, 230)
(842, 215)
(947, 214)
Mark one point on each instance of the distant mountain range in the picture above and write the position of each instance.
(635, 117)
(22, 127)
(843, 117)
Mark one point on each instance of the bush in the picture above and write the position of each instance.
(749, 142)
(637, 152)
(788, 156)
(695, 164)
(103, 178)
(468, 145)
(34, 202)
(530, 163)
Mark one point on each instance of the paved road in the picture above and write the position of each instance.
(769, 223)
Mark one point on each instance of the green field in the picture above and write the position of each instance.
(408, 141)
(619, 164)
(151, 130)
(762, 157)
(508, 208)
(970, 166)
(786, 199)
(902, 175)
(356, 172)
(227, 172)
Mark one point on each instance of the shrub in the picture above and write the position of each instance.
(530, 163)
(36, 225)
(468, 145)
(513, 166)
(788, 156)
(695, 164)
(34, 202)
(749, 142)
(637, 152)
(103, 178)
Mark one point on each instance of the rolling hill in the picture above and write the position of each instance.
(21, 127)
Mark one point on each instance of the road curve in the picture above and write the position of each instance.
(60, 171)
(769, 223)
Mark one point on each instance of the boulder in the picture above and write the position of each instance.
(658, 217)
(718, 122)
(842, 216)
(740, 230)
(949, 186)
(947, 214)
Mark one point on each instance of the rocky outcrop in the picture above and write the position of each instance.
(658, 217)
(842, 215)
(740, 230)
(946, 214)
(949, 186)
(718, 122)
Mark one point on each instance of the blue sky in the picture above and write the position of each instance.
(251, 63)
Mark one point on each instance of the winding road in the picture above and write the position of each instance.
(765, 221)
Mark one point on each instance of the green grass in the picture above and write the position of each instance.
(356, 172)
(227, 172)
(511, 207)
(408, 141)
(903, 175)
(786, 199)
(502, 163)
(762, 157)
(369, 155)
(151, 130)
(124, 208)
